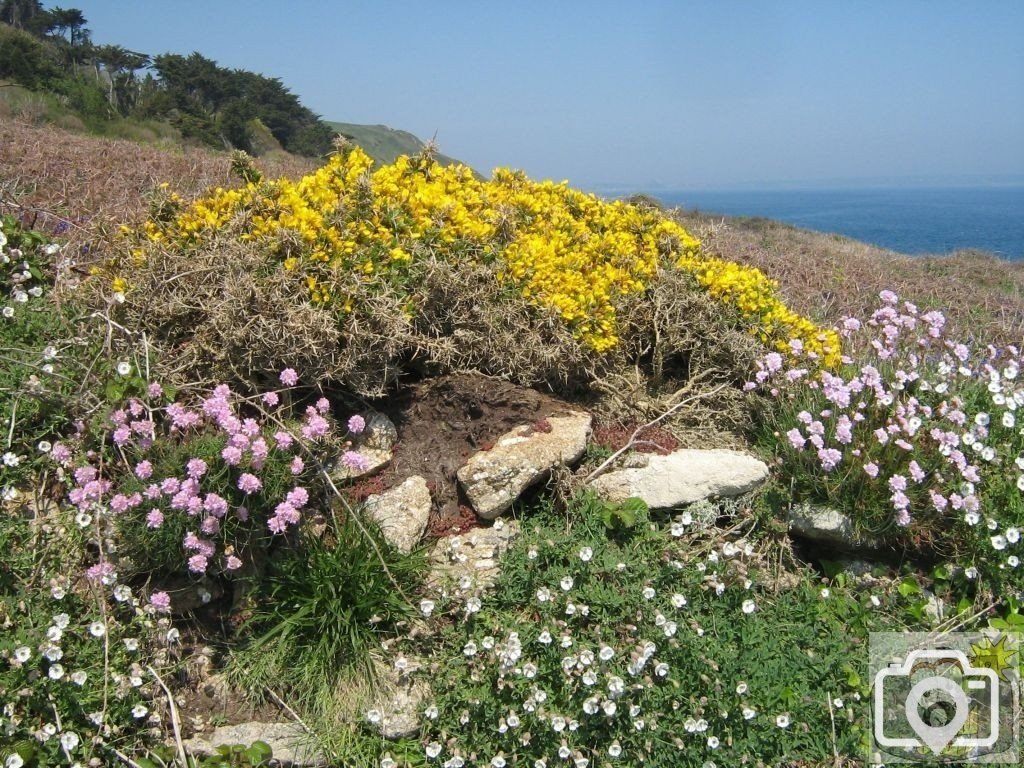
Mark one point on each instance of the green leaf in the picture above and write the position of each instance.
(909, 587)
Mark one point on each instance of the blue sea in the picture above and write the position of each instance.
(916, 221)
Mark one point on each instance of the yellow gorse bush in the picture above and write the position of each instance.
(560, 248)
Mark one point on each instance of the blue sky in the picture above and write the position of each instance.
(703, 94)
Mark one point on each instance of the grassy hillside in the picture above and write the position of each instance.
(382, 143)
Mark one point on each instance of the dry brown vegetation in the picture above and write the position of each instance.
(95, 183)
(827, 276)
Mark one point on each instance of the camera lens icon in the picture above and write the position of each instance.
(936, 693)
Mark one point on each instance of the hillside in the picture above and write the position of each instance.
(382, 143)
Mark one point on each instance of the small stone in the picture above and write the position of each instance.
(291, 745)
(376, 444)
(402, 512)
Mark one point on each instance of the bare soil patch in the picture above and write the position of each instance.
(442, 421)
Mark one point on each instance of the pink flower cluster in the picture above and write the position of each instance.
(203, 494)
(895, 415)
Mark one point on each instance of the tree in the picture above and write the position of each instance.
(120, 65)
(20, 13)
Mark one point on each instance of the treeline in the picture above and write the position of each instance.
(52, 50)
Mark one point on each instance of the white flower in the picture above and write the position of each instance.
(749, 714)
(838, 703)
(678, 601)
(54, 634)
(982, 420)
(566, 583)
(648, 593)
(124, 368)
(79, 677)
(426, 607)
(661, 669)
(586, 554)
(432, 750)
(998, 542)
(139, 711)
(606, 653)
(51, 249)
(971, 573)
(875, 601)
(544, 638)
(8, 312)
(14, 760)
(56, 672)
(22, 654)
(374, 716)
(173, 635)
(97, 629)
(782, 720)
(741, 687)
(749, 606)
(532, 553)
(469, 649)
(1013, 535)
(825, 593)
(1009, 420)
(614, 749)
(609, 707)
(11, 459)
(388, 762)
(713, 742)
(473, 605)
(543, 595)
(529, 670)
(591, 706)
(1013, 561)
(69, 740)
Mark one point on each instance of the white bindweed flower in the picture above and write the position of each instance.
(749, 606)
(741, 687)
(586, 554)
(139, 711)
(426, 607)
(97, 629)
(566, 583)
(782, 720)
(124, 368)
(749, 714)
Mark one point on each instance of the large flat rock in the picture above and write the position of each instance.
(684, 477)
(495, 478)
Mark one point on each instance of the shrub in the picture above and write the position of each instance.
(407, 261)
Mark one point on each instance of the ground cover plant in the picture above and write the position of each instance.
(414, 267)
(654, 641)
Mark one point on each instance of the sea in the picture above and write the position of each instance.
(913, 221)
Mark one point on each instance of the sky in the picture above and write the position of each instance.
(698, 94)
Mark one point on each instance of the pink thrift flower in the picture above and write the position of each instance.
(287, 513)
(829, 458)
(916, 472)
(195, 468)
(938, 501)
(243, 513)
(161, 602)
(103, 572)
(60, 453)
(119, 503)
(191, 541)
(796, 439)
(170, 485)
(153, 491)
(232, 563)
(323, 405)
(897, 483)
(297, 465)
(276, 525)
(297, 497)
(903, 518)
(356, 424)
(215, 505)
(899, 500)
(144, 470)
(122, 435)
(804, 417)
(250, 428)
(888, 297)
(210, 526)
(259, 449)
(135, 408)
(118, 417)
(198, 563)
(270, 399)
(283, 440)
(249, 483)
(154, 390)
(289, 377)
(872, 469)
(154, 519)
(231, 455)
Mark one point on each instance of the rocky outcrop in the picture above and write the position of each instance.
(398, 699)
(495, 478)
(402, 512)
(684, 477)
